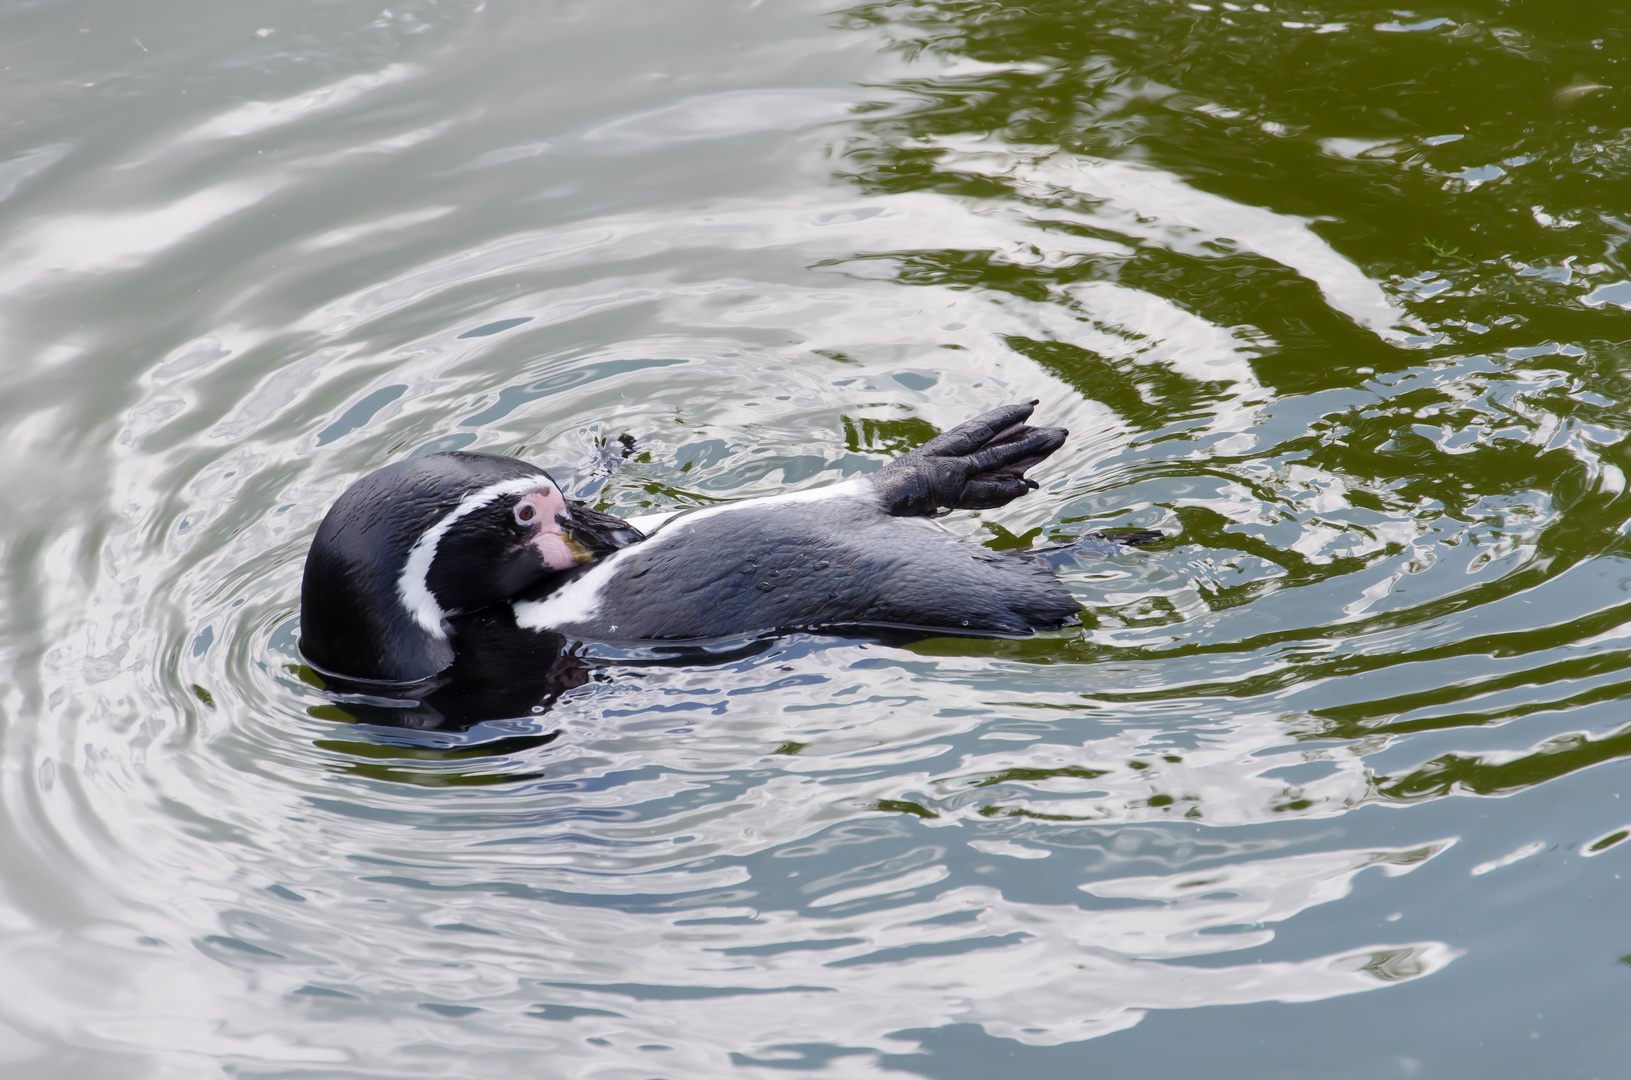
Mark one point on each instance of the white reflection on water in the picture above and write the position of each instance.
(718, 116)
(1161, 208)
(256, 117)
(94, 243)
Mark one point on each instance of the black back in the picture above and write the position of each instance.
(830, 563)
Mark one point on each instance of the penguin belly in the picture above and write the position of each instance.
(826, 559)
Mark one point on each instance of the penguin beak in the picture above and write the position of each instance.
(598, 533)
(578, 552)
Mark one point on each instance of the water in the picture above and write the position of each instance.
(1327, 785)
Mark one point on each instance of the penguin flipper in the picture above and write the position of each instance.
(976, 465)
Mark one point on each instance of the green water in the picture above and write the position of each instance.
(1327, 784)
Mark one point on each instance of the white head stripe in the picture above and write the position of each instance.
(412, 587)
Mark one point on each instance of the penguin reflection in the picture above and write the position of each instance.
(501, 672)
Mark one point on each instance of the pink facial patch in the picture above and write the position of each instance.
(549, 506)
(556, 555)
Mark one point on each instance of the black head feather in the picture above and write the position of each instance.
(353, 618)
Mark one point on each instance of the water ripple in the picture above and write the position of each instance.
(1361, 705)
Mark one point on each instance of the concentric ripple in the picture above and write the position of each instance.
(1333, 297)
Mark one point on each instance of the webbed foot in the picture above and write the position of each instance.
(976, 465)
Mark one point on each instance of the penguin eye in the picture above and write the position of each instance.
(525, 513)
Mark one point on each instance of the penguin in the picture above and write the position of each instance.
(416, 550)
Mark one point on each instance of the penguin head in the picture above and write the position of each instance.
(413, 544)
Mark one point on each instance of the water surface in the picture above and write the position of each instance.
(1328, 784)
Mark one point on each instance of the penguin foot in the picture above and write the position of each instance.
(976, 465)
